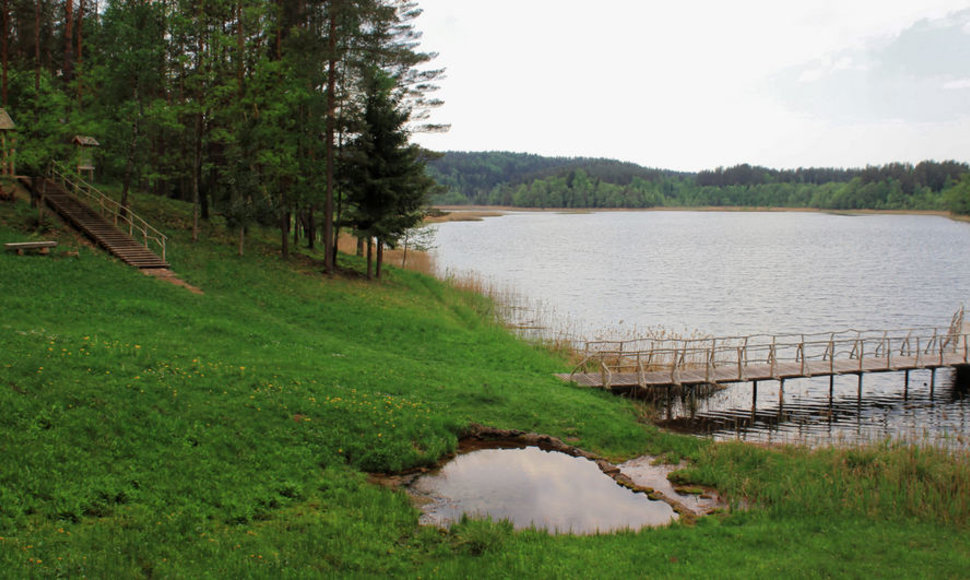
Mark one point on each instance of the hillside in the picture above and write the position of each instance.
(149, 431)
(522, 180)
(475, 175)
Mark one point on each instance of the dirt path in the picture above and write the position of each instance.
(171, 277)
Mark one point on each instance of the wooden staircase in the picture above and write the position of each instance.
(99, 228)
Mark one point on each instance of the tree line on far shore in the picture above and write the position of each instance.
(522, 180)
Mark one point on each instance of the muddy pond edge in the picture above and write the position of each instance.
(476, 436)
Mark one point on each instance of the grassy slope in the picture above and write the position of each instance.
(149, 430)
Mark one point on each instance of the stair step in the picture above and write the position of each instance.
(101, 229)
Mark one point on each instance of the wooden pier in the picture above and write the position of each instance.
(664, 362)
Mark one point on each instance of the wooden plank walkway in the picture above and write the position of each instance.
(96, 226)
(759, 372)
(750, 359)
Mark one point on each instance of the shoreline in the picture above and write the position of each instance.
(479, 212)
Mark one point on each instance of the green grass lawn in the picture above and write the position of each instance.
(149, 431)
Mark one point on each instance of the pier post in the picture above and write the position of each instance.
(781, 397)
(831, 399)
(831, 396)
(932, 381)
(962, 376)
(754, 399)
(859, 395)
(906, 387)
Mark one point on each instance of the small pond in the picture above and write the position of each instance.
(530, 487)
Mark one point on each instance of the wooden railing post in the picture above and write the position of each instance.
(773, 357)
(709, 366)
(674, 379)
(801, 350)
(741, 356)
(606, 375)
(832, 355)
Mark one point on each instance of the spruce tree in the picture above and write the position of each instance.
(387, 184)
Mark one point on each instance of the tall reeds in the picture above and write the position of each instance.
(888, 480)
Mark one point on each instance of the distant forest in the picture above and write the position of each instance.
(524, 180)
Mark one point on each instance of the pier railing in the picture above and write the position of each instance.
(725, 359)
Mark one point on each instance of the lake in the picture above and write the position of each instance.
(620, 274)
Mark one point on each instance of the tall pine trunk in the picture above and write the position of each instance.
(380, 257)
(4, 48)
(68, 40)
(78, 57)
(284, 229)
(196, 177)
(311, 227)
(37, 47)
(370, 256)
(130, 161)
(330, 248)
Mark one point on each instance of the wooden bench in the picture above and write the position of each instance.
(43, 247)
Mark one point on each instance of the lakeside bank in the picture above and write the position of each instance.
(155, 432)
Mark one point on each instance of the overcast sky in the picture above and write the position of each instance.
(696, 84)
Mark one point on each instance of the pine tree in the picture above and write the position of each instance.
(387, 184)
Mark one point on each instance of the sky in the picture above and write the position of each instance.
(697, 84)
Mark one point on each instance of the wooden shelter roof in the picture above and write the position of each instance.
(6, 123)
(85, 141)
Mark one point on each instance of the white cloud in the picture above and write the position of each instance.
(956, 85)
(911, 76)
(696, 83)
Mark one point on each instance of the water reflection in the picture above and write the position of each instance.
(926, 408)
(535, 488)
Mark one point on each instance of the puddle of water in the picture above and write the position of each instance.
(643, 472)
(535, 488)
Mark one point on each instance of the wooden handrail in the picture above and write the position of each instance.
(109, 206)
(711, 354)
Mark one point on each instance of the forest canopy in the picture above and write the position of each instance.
(522, 180)
(250, 109)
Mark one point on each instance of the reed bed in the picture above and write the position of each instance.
(886, 480)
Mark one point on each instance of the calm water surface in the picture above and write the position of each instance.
(535, 488)
(722, 273)
(735, 273)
